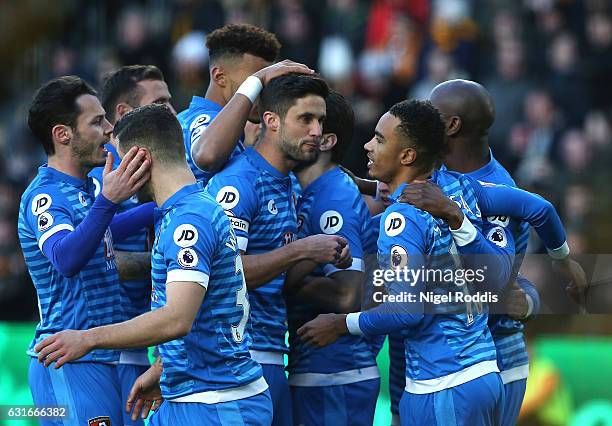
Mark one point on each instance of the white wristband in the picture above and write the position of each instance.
(559, 253)
(352, 323)
(465, 234)
(251, 87)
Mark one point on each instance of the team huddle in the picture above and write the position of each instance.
(214, 234)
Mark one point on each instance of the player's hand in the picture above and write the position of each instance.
(323, 330)
(145, 394)
(345, 259)
(578, 285)
(63, 347)
(322, 248)
(516, 302)
(428, 197)
(281, 68)
(133, 172)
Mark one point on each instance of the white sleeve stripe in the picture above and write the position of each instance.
(560, 252)
(184, 275)
(352, 323)
(191, 153)
(357, 265)
(242, 243)
(465, 234)
(61, 227)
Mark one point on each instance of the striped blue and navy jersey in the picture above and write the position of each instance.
(54, 202)
(507, 332)
(332, 205)
(135, 295)
(195, 243)
(261, 207)
(194, 121)
(455, 342)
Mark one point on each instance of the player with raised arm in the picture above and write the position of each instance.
(123, 90)
(235, 53)
(337, 384)
(68, 245)
(255, 191)
(451, 372)
(199, 298)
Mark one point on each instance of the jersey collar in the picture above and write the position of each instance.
(207, 104)
(181, 193)
(262, 163)
(46, 171)
(485, 170)
(398, 192)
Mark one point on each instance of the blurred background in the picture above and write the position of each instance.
(546, 63)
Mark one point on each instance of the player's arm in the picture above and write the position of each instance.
(522, 300)
(261, 268)
(338, 293)
(133, 266)
(185, 289)
(172, 321)
(216, 144)
(386, 317)
(132, 222)
(477, 251)
(81, 242)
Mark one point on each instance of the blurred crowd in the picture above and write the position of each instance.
(546, 63)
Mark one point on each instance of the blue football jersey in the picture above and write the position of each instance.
(54, 202)
(260, 204)
(135, 295)
(194, 242)
(507, 332)
(194, 121)
(454, 344)
(332, 204)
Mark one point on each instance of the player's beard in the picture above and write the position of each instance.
(86, 153)
(292, 151)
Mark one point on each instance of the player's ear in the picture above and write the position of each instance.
(61, 134)
(329, 141)
(121, 109)
(454, 125)
(407, 156)
(271, 120)
(219, 76)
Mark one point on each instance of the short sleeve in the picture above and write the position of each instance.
(236, 195)
(48, 212)
(339, 219)
(189, 246)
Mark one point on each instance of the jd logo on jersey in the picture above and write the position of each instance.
(394, 224)
(40, 204)
(331, 222)
(185, 235)
(228, 197)
(272, 207)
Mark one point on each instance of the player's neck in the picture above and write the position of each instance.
(68, 167)
(165, 185)
(309, 174)
(215, 94)
(407, 175)
(273, 155)
(466, 156)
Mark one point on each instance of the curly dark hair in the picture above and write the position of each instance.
(421, 128)
(238, 39)
(122, 86)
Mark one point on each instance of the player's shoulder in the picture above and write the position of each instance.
(397, 215)
(41, 194)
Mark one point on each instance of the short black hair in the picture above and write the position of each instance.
(55, 103)
(340, 120)
(122, 86)
(422, 126)
(237, 39)
(153, 127)
(282, 92)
